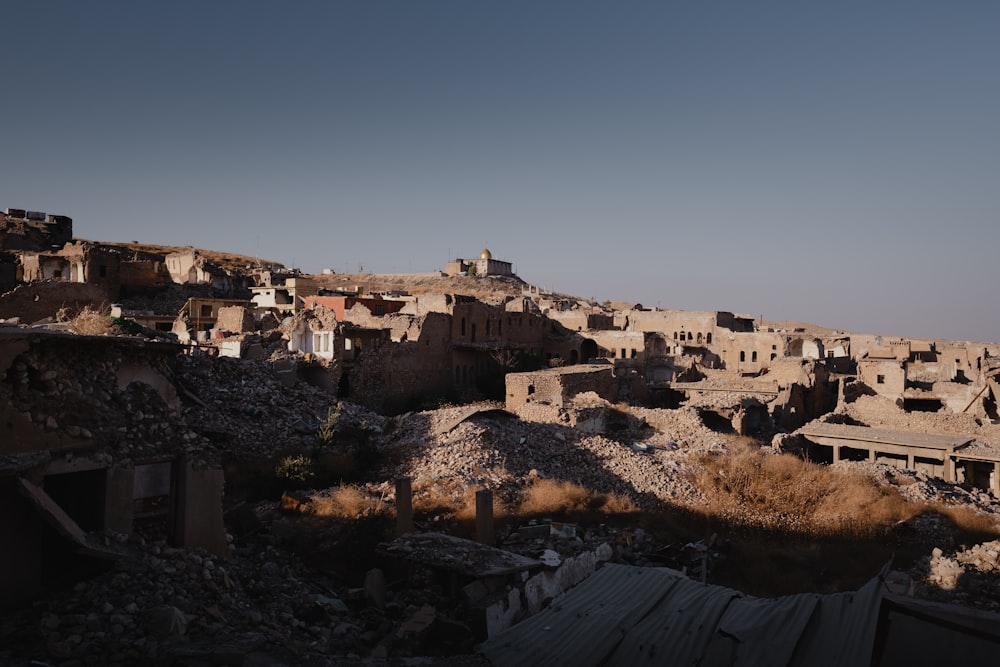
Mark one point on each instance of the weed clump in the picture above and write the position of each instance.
(554, 497)
(346, 502)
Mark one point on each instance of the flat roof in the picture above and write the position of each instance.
(942, 441)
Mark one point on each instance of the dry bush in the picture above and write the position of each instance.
(442, 496)
(785, 493)
(93, 323)
(548, 496)
(345, 502)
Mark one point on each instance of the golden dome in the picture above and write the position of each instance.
(486, 254)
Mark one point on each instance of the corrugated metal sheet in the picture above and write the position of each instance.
(625, 615)
(584, 626)
(842, 629)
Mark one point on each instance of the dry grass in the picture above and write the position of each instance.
(553, 497)
(345, 502)
(970, 521)
(93, 323)
(784, 493)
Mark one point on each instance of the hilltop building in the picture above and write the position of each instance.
(485, 265)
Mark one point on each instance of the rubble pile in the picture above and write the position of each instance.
(243, 408)
(214, 407)
(261, 605)
(967, 576)
(642, 462)
(919, 487)
(83, 398)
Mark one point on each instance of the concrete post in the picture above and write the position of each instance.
(949, 467)
(836, 453)
(909, 462)
(484, 517)
(996, 480)
(197, 518)
(404, 506)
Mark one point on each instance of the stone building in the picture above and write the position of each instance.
(750, 352)
(488, 338)
(340, 305)
(284, 293)
(33, 230)
(557, 386)
(485, 265)
(75, 461)
(201, 314)
(886, 376)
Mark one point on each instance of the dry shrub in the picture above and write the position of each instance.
(345, 502)
(785, 493)
(549, 496)
(93, 323)
(440, 497)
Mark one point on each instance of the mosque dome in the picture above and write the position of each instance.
(486, 254)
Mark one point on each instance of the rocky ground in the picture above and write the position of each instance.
(294, 588)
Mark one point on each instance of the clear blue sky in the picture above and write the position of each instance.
(832, 162)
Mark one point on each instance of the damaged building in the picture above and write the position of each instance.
(85, 448)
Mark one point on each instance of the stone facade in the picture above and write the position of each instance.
(886, 377)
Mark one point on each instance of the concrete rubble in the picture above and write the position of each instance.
(193, 379)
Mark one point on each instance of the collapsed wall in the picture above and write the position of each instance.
(90, 428)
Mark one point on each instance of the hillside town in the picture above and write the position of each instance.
(173, 418)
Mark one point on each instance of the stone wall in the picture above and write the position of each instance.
(143, 274)
(886, 377)
(557, 386)
(236, 319)
(37, 301)
(750, 352)
(62, 391)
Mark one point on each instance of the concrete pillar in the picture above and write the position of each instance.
(197, 509)
(949, 467)
(836, 453)
(404, 506)
(484, 517)
(119, 489)
(909, 462)
(995, 486)
(872, 455)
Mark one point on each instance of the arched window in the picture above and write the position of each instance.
(708, 338)
(753, 357)
(743, 355)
